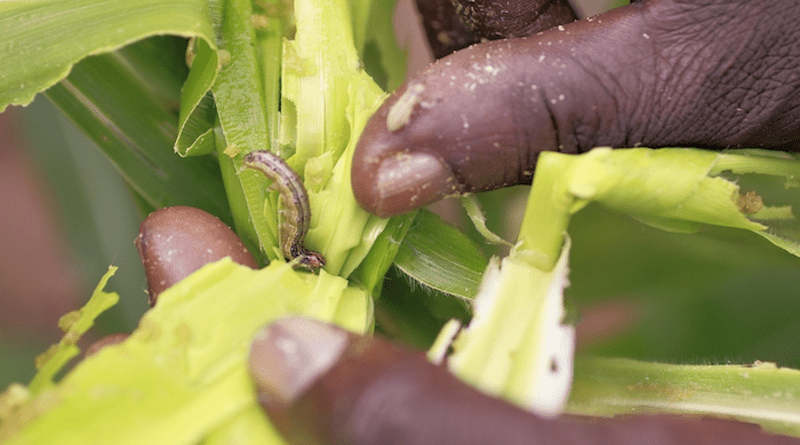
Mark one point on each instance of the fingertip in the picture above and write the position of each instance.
(290, 354)
(449, 131)
(394, 168)
(404, 181)
(175, 241)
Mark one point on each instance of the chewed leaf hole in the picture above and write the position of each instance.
(749, 203)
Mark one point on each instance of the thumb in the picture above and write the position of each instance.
(322, 385)
(653, 73)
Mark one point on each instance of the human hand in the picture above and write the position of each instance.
(320, 384)
(175, 241)
(702, 73)
(453, 25)
(494, 421)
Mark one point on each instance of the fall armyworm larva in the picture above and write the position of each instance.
(294, 213)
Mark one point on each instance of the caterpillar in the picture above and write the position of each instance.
(294, 212)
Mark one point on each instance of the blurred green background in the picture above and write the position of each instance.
(95, 222)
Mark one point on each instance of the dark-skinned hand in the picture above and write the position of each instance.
(703, 73)
(322, 385)
(697, 73)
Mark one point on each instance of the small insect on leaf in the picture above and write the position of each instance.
(294, 215)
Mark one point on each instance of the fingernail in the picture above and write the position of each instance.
(290, 354)
(410, 180)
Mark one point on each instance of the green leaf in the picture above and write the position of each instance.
(243, 116)
(441, 257)
(321, 72)
(411, 314)
(327, 98)
(673, 189)
(74, 325)
(478, 216)
(185, 375)
(520, 306)
(239, 205)
(782, 228)
(46, 38)
(197, 112)
(382, 252)
(760, 393)
(373, 33)
(121, 111)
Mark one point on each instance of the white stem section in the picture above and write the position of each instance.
(516, 346)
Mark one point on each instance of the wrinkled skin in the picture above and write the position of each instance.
(701, 73)
(371, 392)
(320, 384)
(665, 72)
(494, 19)
(445, 30)
(453, 25)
